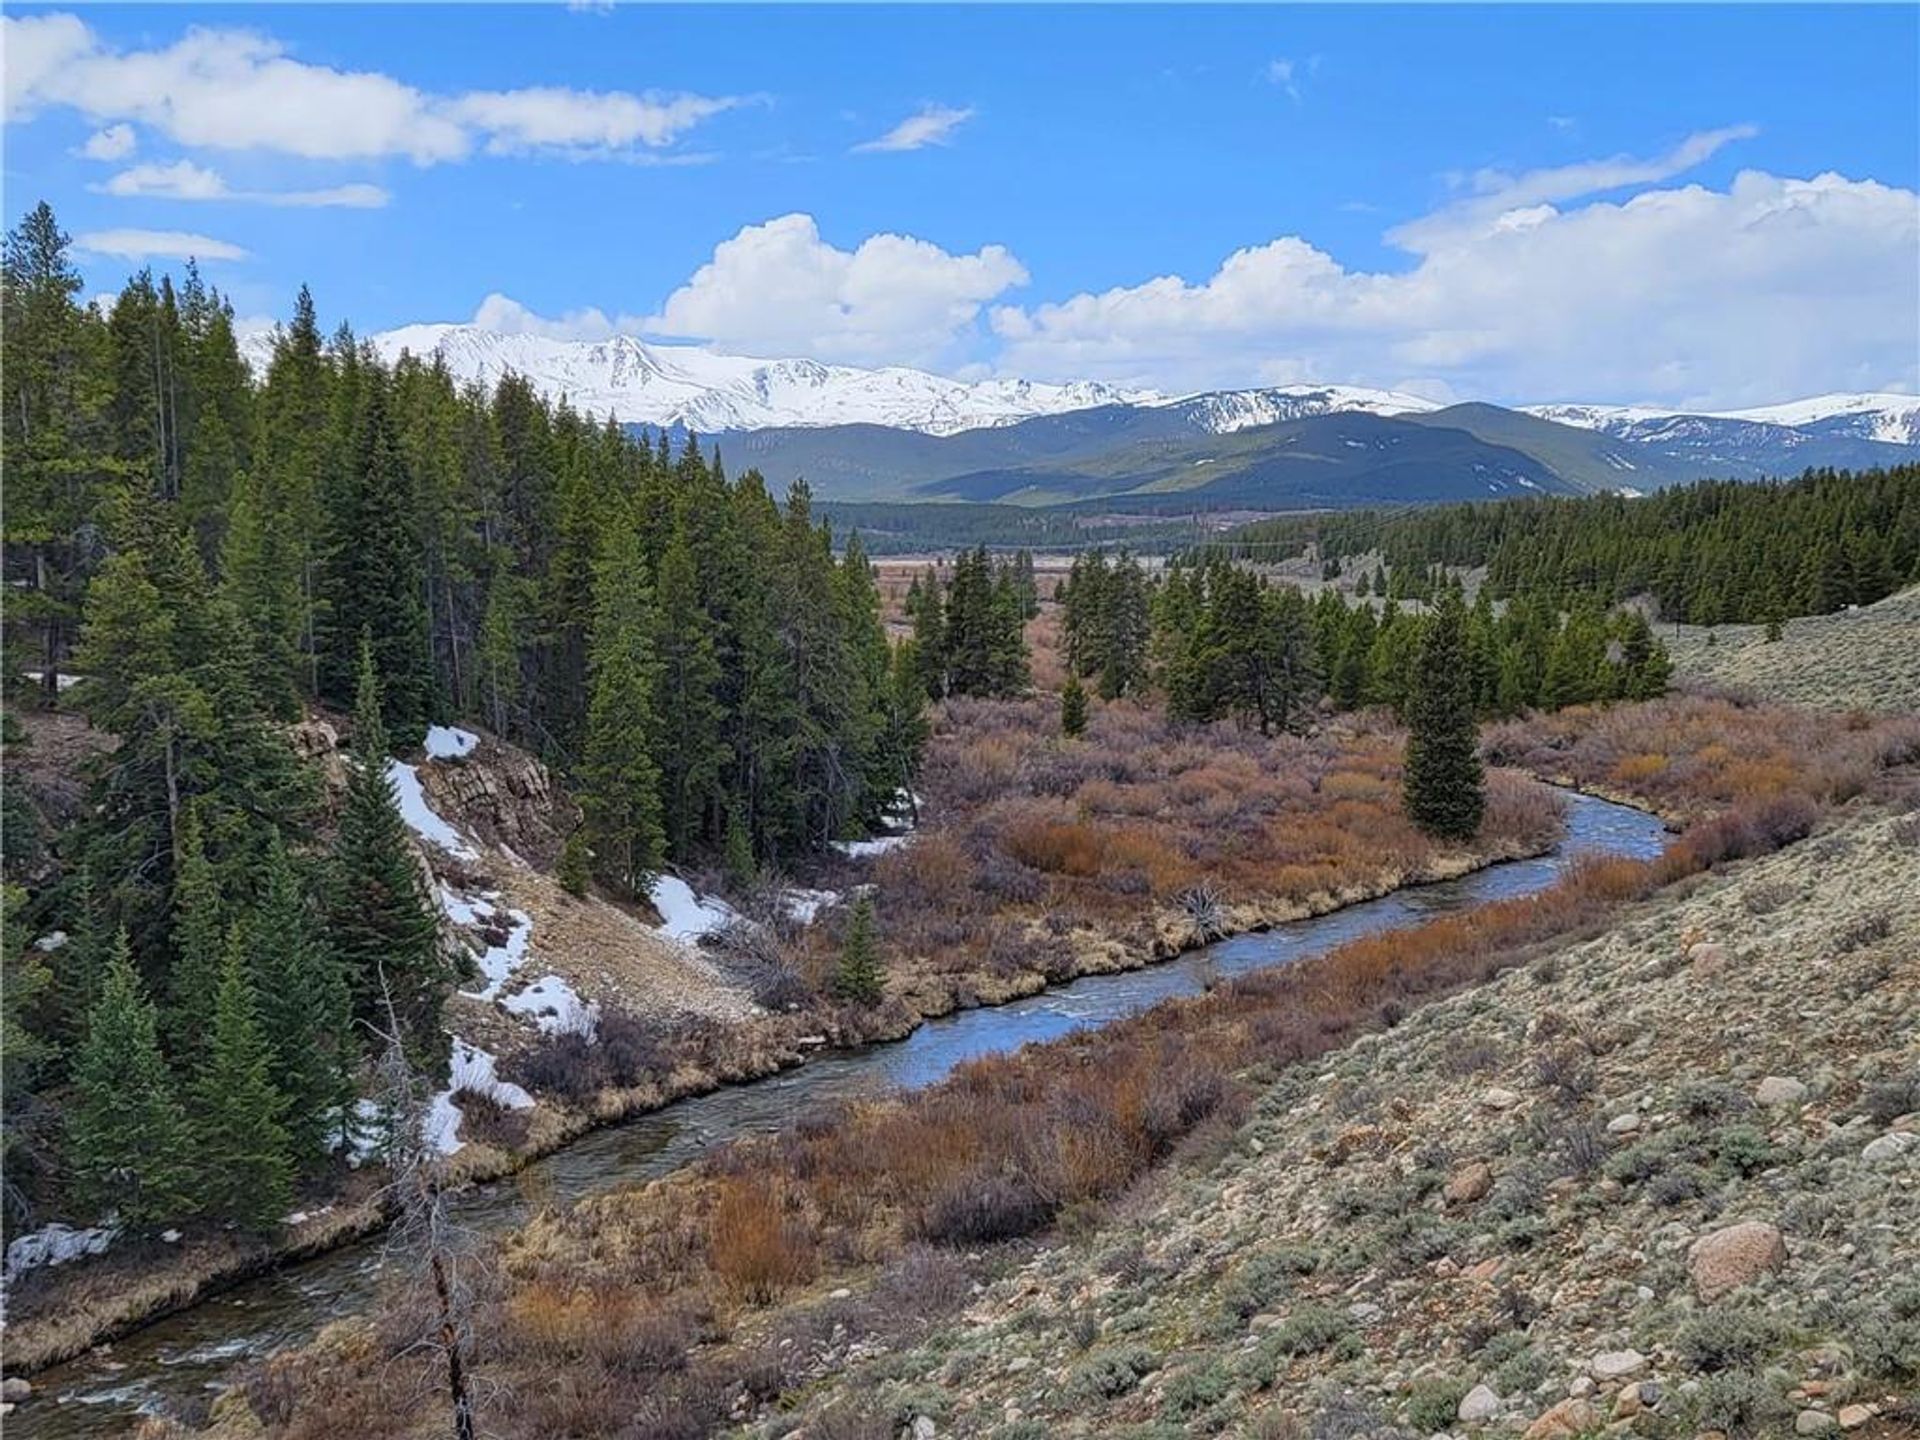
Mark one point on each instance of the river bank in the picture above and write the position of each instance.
(67, 1312)
(180, 1354)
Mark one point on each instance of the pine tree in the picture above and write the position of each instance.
(243, 1159)
(306, 1010)
(1073, 707)
(126, 1136)
(573, 871)
(693, 752)
(380, 920)
(199, 930)
(860, 978)
(1445, 786)
(619, 780)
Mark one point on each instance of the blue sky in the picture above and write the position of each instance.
(1509, 203)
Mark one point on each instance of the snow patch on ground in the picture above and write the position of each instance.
(555, 1007)
(865, 849)
(805, 905)
(369, 1125)
(56, 1245)
(473, 1069)
(419, 815)
(685, 915)
(498, 962)
(445, 742)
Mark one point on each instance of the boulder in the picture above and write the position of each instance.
(1852, 1417)
(1780, 1090)
(1612, 1366)
(1889, 1147)
(1812, 1422)
(1479, 1403)
(1565, 1421)
(1468, 1183)
(1736, 1255)
(1623, 1124)
(14, 1389)
(1495, 1098)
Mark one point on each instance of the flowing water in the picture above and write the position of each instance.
(201, 1348)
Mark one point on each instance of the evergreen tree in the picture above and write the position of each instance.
(619, 779)
(1445, 788)
(1073, 707)
(126, 1137)
(243, 1159)
(199, 945)
(693, 752)
(306, 1011)
(380, 920)
(860, 978)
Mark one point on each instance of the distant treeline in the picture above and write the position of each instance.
(1714, 553)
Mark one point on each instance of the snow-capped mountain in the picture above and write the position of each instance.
(1889, 419)
(1221, 412)
(667, 385)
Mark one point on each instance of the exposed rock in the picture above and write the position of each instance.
(313, 739)
(1623, 1124)
(1889, 1147)
(1495, 1098)
(14, 1389)
(1852, 1417)
(1564, 1421)
(1734, 1256)
(1479, 1403)
(922, 1428)
(1468, 1183)
(1611, 1366)
(1812, 1422)
(1707, 957)
(1780, 1090)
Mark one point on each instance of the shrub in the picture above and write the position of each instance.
(1111, 1374)
(980, 1206)
(755, 1245)
(1307, 1329)
(1434, 1404)
(1887, 1100)
(1194, 1392)
(1741, 1403)
(1742, 1150)
(1729, 1338)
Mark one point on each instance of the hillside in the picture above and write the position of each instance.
(1864, 659)
(1548, 1205)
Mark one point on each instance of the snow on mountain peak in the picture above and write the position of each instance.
(1892, 419)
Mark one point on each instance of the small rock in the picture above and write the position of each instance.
(841, 1294)
(1494, 1098)
(1582, 1385)
(922, 1428)
(1737, 1255)
(1889, 1147)
(1708, 957)
(1852, 1417)
(1812, 1422)
(1615, 1365)
(1365, 1312)
(1479, 1403)
(1564, 1421)
(1780, 1090)
(1623, 1124)
(1468, 1183)
(14, 1389)
(1019, 1363)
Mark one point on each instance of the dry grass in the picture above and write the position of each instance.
(1867, 659)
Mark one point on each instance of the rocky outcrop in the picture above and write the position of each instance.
(503, 797)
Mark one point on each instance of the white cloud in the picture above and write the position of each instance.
(582, 121)
(1286, 74)
(156, 245)
(779, 289)
(185, 180)
(116, 142)
(929, 125)
(510, 317)
(229, 89)
(1689, 295)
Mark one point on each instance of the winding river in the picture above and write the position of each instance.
(200, 1348)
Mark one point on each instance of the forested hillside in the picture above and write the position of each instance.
(215, 556)
(1711, 553)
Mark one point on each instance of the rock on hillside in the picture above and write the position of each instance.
(1577, 1199)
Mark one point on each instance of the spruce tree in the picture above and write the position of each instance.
(1073, 707)
(860, 978)
(126, 1139)
(573, 871)
(619, 780)
(243, 1159)
(1444, 783)
(306, 1010)
(380, 919)
(199, 940)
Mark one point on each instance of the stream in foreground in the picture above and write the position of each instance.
(201, 1348)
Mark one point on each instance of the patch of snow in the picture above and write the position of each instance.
(685, 915)
(51, 941)
(444, 742)
(300, 1217)
(865, 849)
(60, 681)
(555, 1007)
(805, 905)
(419, 815)
(56, 1245)
(460, 909)
(498, 962)
(365, 1141)
(473, 1069)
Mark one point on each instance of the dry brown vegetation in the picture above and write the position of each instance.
(1009, 1145)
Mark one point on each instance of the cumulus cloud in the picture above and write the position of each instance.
(1771, 287)
(929, 125)
(779, 289)
(184, 180)
(509, 317)
(1285, 74)
(137, 245)
(230, 89)
(116, 142)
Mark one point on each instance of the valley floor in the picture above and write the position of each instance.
(1665, 1181)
